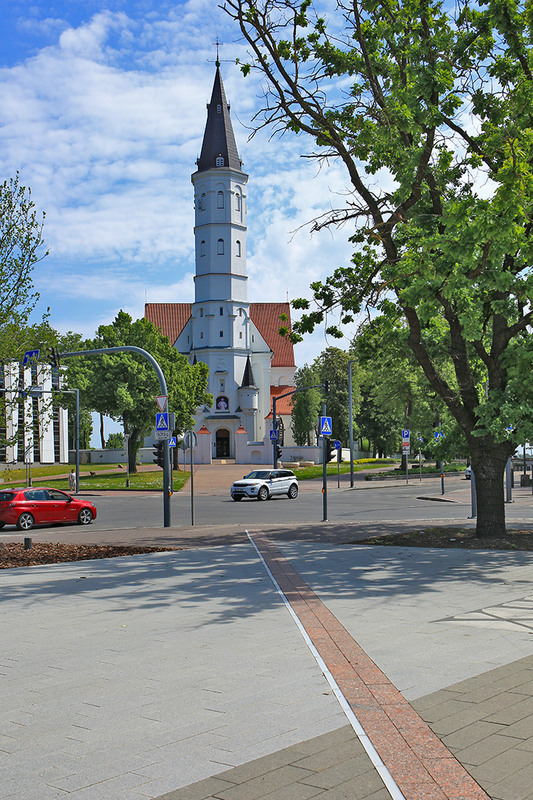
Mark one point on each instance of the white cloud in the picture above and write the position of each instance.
(105, 125)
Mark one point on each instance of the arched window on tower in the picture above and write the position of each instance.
(238, 245)
(219, 161)
(238, 201)
(220, 247)
(220, 199)
(202, 247)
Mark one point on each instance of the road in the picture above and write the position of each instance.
(390, 502)
(384, 502)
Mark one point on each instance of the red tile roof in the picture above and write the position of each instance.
(283, 406)
(171, 318)
(266, 316)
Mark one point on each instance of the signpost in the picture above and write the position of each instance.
(31, 357)
(337, 446)
(406, 449)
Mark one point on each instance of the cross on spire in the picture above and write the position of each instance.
(218, 44)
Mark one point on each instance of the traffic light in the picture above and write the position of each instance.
(278, 452)
(54, 358)
(330, 449)
(159, 454)
(326, 387)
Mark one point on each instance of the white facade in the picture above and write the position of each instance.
(36, 429)
(238, 341)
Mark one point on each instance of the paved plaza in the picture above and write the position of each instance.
(285, 665)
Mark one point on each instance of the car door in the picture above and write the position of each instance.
(59, 505)
(276, 482)
(36, 502)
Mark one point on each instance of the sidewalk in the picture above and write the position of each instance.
(185, 676)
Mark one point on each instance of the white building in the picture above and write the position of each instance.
(35, 428)
(249, 362)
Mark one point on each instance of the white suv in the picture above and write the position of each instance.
(265, 483)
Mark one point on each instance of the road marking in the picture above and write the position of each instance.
(386, 777)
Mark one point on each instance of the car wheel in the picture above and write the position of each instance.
(237, 497)
(293, 491)
(262, 494)
(25, 522)
(2, 524)
(85, 517)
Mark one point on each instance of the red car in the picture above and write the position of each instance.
(26, 507)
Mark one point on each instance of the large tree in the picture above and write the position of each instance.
(305, 406)
(428, 108)
(21, 247)
(124, 385)
(332, 366)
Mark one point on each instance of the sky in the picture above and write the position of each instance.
(102, 112)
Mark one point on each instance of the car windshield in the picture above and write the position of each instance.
(260, 474)
(6, 497)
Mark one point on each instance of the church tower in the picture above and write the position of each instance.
(249, 362)
(220, 315)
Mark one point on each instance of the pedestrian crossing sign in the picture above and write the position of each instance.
(161, 421)
(325, 426)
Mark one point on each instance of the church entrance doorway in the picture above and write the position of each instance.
(222, 443)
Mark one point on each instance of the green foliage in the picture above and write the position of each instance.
(124, 385)
(115, 441)
(21, 240)
(428, 107)
(332, 366)
(305, 407)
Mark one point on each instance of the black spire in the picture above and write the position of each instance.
(218, 148)
(248, 377)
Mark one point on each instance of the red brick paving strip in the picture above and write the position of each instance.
(422, 767)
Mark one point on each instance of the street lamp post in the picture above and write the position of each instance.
(350, 407)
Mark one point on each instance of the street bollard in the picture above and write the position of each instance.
(27, 543)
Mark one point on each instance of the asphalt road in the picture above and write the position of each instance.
(395, 501)
(420, 502)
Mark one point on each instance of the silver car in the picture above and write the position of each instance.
(265, 483)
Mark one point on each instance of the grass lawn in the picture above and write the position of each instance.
(102, 479)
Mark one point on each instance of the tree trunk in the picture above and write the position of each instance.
(488, 463)
(133, 448)
(102, 437)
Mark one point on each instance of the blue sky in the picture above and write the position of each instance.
(102, 111)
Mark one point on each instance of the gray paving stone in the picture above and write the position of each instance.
(265, 784)
(500, 766)
(474, 733)
(514, 787)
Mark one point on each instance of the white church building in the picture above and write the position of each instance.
(249, 362)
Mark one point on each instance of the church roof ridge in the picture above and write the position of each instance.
(219, 139)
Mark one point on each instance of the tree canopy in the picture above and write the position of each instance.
(428, 108)
(124, 386)
(21, 247)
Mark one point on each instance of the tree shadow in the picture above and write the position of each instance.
(229, 582)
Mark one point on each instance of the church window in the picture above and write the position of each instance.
(202, 247)
(219, 109)
(202, 202)
(220, 199)
(220, 247)
(219, 161)
(221, 311)
(201, 334)
(238, 248)
(253, 338)
(222, 385)
(238, 201)
(221, 334)
(201, 312)
(240, 334)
